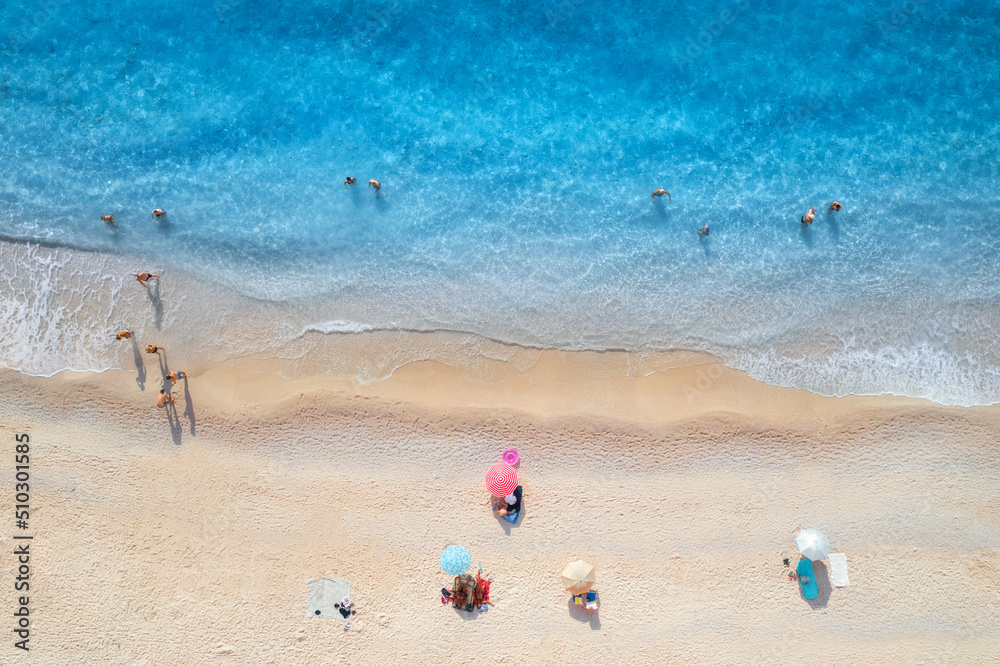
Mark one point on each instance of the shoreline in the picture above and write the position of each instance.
(652, 389)
(64, 308)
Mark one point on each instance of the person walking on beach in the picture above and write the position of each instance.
(142, 277)
(176, 376)
(109, 220)
(835, 206)
(157, 212)
(704, 231)
(660, 192)
(162, 399)
(123, 335)
(153, 349)
(349, 181)
(808, 217)
(374, 183)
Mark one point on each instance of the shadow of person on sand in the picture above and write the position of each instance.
(823, 586)
(188, 404)
(506, 525)
(174, 421)
(140, 365)
(581, 614)
(468, 616)
(162, 360)
(157, 303)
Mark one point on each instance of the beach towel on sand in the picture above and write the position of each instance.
(324, 593)
(838, 569)
(807, 579)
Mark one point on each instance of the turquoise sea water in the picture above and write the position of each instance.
(517, 146)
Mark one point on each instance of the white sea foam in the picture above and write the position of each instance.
(51, 318)
(60, 309)
(920, 372)
(336, 326)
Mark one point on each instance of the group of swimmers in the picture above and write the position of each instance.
(351, 181)
(155, 216)
(163, 398)
(807, 219)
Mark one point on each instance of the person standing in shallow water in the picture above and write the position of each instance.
(153, 349)
(660, 192)
(123, 335)
(374, 183)
(176, 376)
(835, 206)
(349, 181)
(808, 217)
(142, 277)
(108, 220)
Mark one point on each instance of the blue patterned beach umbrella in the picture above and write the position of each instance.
(455, 560)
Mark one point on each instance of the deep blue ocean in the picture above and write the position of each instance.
(517, 145)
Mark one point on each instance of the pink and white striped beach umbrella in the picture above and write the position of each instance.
(501, 479)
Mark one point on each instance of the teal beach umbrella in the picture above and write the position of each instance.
(455, 560)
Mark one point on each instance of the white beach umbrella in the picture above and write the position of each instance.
(812, 543)
(578, 577)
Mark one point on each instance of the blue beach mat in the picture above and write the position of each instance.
(809, 589)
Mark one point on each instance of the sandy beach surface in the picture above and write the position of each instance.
(188, 537)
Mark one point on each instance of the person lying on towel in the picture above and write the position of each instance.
(509, 504)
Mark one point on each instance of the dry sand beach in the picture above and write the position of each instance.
(190, 539)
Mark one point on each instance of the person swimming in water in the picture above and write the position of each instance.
(350, 181)
(835, 206)
(808, 217)
(660, 192)
(123, 335)
(157, 212)
(142, 277)
(374, 183)
(704, 231)
(153, 349)
(109, 220)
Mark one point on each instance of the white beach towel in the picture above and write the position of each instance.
(324, 593)
(838, 569)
